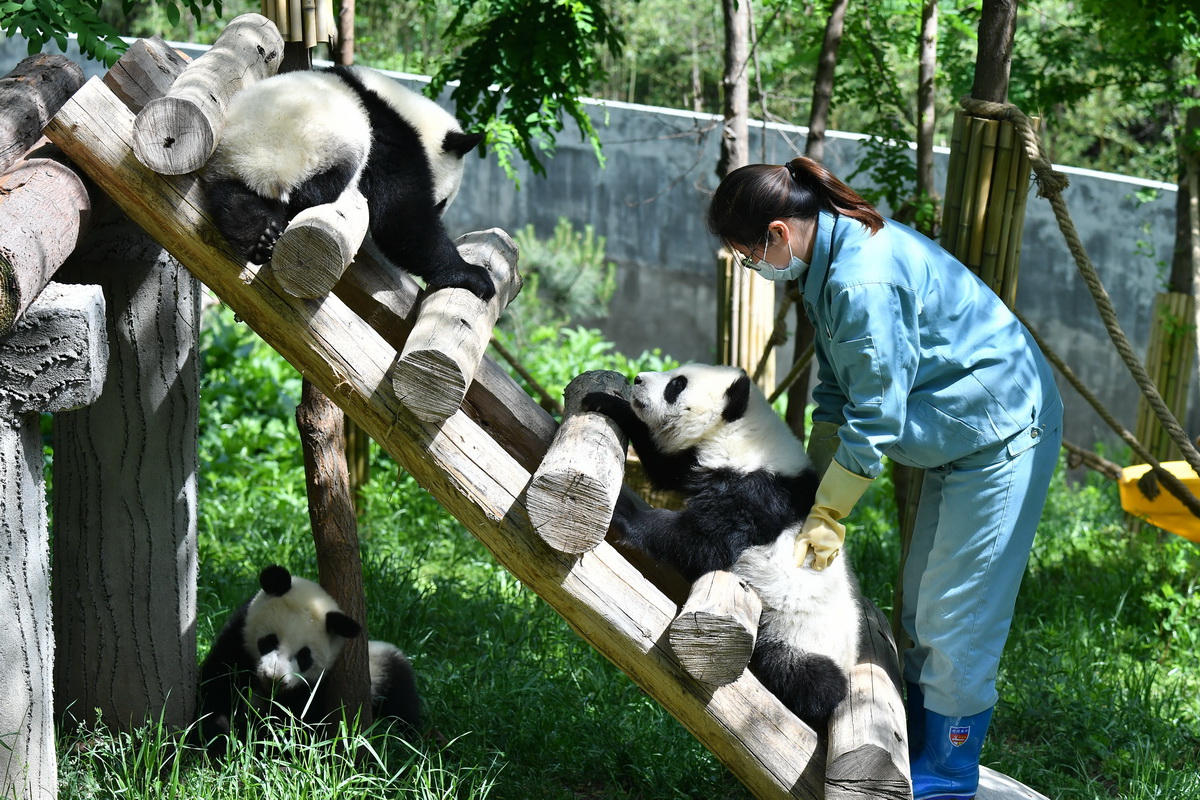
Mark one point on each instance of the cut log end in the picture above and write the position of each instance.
(173, 136)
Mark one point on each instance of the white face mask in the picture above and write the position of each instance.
(795, 268)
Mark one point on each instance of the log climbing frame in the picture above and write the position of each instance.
(479, 444)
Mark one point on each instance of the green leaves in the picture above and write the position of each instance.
(521, 68)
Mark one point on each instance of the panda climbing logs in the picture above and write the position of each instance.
(708, 433)
(301, 139)
(277, 647)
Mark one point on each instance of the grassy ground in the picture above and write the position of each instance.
(1100, 682)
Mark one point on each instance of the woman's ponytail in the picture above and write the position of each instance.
(836, 195)
(750, 197)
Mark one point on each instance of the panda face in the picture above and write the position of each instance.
(688, 406)
(294, 635)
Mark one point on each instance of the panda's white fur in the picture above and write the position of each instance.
(707, 432)
(301, 139)
(273, 654)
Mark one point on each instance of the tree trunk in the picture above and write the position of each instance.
(124, 497)
(735, 147)
(335, 530)
(993, 60)
(818, 117)
(344, 54)
(926, 92)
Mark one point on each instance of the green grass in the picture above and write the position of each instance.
(1100, 684)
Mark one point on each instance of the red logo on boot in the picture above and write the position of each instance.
(959, 735)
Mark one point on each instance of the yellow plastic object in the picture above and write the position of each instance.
(1163, 510)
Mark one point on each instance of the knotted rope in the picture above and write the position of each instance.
(1050, 186)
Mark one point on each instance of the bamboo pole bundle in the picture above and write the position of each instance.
(986, 188)
(953, 194)
(745, 318)
(1168, 359)
(309, 21)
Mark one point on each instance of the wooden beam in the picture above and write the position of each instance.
(30, 95)
(608, 602)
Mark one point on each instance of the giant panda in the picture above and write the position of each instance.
(300, 139)
(708, 433)
(272, 654)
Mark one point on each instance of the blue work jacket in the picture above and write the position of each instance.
(918, 360)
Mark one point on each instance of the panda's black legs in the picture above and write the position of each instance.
(252, 224)
(810, 685)
(324, 187)
(439, 264)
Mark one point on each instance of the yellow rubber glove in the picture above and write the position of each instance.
(839, 490)
(823, 441)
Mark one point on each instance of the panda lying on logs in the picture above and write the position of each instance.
(300, 139)
(273, 653)
(708, 433)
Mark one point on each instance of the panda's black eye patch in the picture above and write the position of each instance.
(304, 659)
(267, 644)
(675, 388)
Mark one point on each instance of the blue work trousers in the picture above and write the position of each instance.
(973, 533)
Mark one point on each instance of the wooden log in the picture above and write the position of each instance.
(177, 133)
(452, 330)
(868, 739)
(386, 298)
(572, 494)
(320, 242)
(713, 637)
(30, 95)
(44, 210)
(608, 602)
(145, 72)
(54, 359)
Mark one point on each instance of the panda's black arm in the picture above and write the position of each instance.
(670, 471)
(674, 537)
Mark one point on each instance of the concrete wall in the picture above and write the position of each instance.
(648, 201)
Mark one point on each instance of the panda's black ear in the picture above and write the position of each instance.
(339, 624)
(460, 143)
(737, 399)
(275, 580)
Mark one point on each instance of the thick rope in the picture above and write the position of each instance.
(1050, 186)
(1172, 483)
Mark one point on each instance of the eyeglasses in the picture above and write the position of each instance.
(749, 261)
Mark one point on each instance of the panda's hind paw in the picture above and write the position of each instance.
(264, 248)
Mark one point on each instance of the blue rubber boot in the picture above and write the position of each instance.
(948, 765)
(914, 705)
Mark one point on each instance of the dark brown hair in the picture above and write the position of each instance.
(750, 197)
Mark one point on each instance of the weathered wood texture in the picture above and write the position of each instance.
(145, 72)
(30, 95)
(335, 534)
(124, 497)
(386, 298)
(44, 210)
(574, 491)
(714, 634)
(452, 330)
(177, 133)
(320, 242)
(610, 604)
(868, 739)
(54, 359)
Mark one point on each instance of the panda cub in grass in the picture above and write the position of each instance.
(301, 139)
(708, 433)
(273, 653)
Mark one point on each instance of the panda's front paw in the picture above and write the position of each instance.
(602, 403)
(478, 281)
